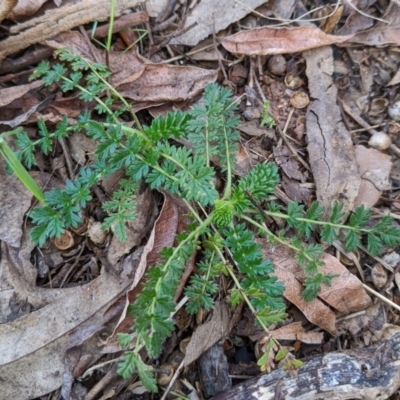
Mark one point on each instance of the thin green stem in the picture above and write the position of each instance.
(263, 228)
(206, 136)
(315, 222)
(238, 285)
(228, 187)
(117, 95)
(111, 26)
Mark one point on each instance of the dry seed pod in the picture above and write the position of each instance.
(380, 141)
(277, 64)
(183, 344)
(164, 377)
(342, 82)
(379, 276)
(378, 106)
(349, 261)
(299, 100)
(293, 81)
(65, 241)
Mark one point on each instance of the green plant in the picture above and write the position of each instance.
(224, 224)
(266, 119)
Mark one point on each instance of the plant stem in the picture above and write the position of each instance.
(270, 234)
(228, 187)
(242, 291)
(315, 222)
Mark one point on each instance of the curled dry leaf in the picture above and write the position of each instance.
(10, 94)
(167, 83)
(295, 331)
(268, 41)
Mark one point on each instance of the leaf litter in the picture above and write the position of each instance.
(35, 312)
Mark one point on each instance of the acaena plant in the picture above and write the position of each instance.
(224, 223)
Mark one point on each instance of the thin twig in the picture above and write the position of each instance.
(288, 144)
(73, 265)
(68, 158)
(383, 298)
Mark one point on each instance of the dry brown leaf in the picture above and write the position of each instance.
(82, 147)
(315, 311)
(382, 33)
(252, 128)
(8, 95)
(268, 41)
(290, 165)
(15, 199)
(355, 23)
(371, 160)
(208, 333)
(209, 15)
(330, 148)
(295, 331)
(32, 361)
(346, 294)
(134, 79)
(125, 67)
(167, 83)
(25, 8)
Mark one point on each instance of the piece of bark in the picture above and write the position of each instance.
(368, 373)
(329, 147)
(59, 20)
(214, 371)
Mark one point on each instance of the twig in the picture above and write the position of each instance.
(383, 298)
(164, 25)
(168, 38)
(288, 144)
(67, 158)
(72, 266)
